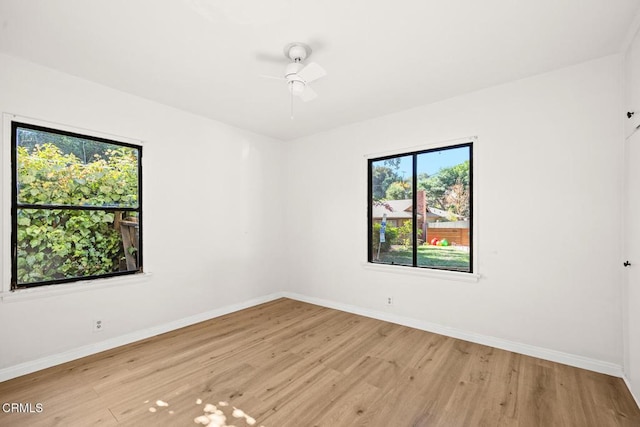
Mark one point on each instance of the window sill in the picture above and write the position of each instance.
(424, 272)
(81, 286)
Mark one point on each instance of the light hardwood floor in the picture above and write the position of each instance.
(288, 363)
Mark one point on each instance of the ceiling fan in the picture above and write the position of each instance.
(297, 74)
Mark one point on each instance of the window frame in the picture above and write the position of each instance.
(16, 123)
(414, 152)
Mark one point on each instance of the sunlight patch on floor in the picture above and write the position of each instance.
(212, 415)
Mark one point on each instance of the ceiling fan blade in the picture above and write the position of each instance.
(311, 72)
(264, 76)
(308, 94)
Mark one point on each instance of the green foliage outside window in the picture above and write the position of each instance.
(63, 243)
(391, 236)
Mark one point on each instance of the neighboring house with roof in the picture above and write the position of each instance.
(400, 211)
(397, 211)
(431, 222)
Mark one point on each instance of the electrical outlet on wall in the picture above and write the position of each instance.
(389, 300)
(98, 325)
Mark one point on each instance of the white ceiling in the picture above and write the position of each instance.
(382, 56)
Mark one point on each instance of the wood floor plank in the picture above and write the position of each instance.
(288, 363)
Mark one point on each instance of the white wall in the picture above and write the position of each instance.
(548, 185)
(211, 194)
(631, 294)
(548, 188)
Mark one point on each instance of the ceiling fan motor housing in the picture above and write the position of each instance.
(292, 70)
(296, 83)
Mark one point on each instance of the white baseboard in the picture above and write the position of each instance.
(67, 356)
(529, 350)
(628, 383)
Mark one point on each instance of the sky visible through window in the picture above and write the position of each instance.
(432, 162)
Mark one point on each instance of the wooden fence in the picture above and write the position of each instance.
(456, 235)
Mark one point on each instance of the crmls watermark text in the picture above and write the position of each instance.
(24, 408)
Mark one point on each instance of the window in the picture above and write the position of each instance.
(76, 210)
(421, 209)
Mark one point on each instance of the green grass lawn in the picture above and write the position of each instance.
(448, 257)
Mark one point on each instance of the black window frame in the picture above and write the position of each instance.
(414, 186)
(15, 205)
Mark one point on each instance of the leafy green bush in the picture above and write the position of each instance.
(63, 243)
(390, 234)
(405, 232)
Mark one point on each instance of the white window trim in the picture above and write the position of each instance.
(72, 287)
(6, 294)
(424, 271)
